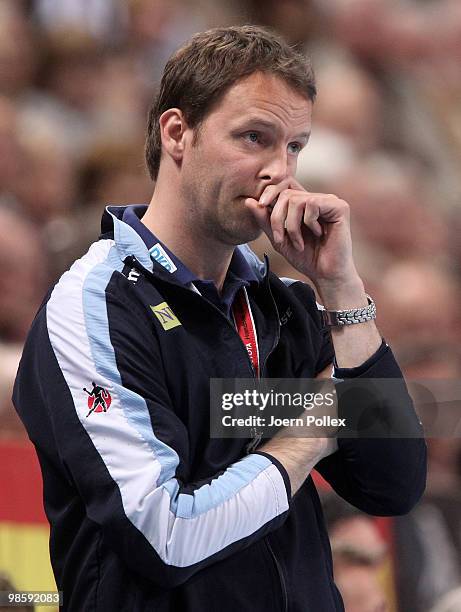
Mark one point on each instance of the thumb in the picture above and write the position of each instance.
(262, 215)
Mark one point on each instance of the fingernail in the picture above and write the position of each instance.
(277, 236)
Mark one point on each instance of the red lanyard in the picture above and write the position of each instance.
(245, 325)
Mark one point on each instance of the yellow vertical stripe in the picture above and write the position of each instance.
(24, 556)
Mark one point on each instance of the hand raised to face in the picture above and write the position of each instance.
(311, 230)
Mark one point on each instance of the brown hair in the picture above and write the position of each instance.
(198, 74)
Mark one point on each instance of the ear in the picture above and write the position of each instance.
(173, 127)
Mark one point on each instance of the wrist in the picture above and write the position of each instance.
(342, 294)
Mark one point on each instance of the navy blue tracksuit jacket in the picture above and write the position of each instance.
(148, 513)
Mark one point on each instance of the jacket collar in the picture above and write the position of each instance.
(132, 243)
(127, 241)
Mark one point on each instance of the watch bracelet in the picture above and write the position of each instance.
(339, 318)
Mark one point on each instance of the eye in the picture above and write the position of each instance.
(252, 136)
(295, 148)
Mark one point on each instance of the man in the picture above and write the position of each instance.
(147, 511)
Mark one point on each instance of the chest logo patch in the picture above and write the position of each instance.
(166, 316)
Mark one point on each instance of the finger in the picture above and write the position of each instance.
(261, 214)
(311, 218)
(294, 221)
(331, 208)
(271, 192)
(278, 217)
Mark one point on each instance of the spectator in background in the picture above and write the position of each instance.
(24, 276)
(427, 552)
(65, 88)
(359, 554)
(48, 187)
(10, 153)
(23, 283)
(393, 207)
(17, 57)
(114, 172)
(411, 293)
(100, 19)
(354, 114)
(296, 20)
(357, 578)
(10, 425)
(157, 27)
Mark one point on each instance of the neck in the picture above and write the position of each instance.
(167, 218)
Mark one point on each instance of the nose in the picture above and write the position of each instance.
(275, 169)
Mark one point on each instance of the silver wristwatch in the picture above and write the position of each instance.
(335, 318)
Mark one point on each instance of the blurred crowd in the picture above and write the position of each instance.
(76, 80)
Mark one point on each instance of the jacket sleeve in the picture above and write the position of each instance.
(381, 476)
(128, 463)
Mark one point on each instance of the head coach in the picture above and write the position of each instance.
(147, 512)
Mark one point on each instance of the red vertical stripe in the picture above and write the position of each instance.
(20, 483)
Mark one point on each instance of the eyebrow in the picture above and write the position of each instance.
(255, 121)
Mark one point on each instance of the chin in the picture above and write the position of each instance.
(241, 235)
(233, 227)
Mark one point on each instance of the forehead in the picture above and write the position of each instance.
(266, 96)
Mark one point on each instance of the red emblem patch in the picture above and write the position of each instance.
(99, 399)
